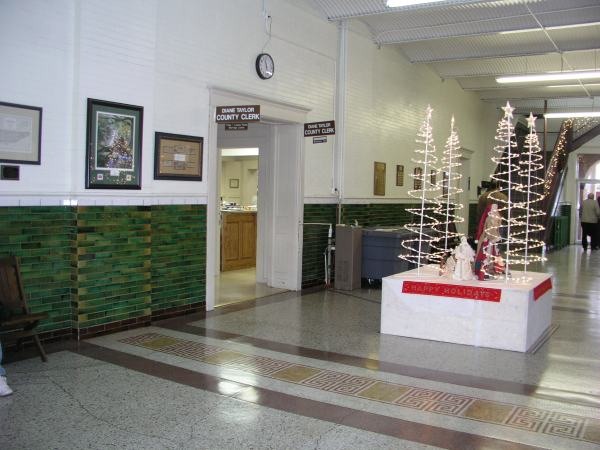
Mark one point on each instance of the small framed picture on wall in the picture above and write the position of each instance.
(444, 183)
(177, 157)
(379, 178)
(432, 177)
(418, 178)
(399, 175)
(20, 133)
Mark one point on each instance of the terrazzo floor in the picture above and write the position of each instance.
(292, 371)
(239, 285)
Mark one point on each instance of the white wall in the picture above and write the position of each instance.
(386, 102)
(166, 55)
(36, 50)
(245, 170)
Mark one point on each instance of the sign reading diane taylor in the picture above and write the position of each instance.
(236, 114)
(319, 128)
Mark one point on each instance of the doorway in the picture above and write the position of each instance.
(279, 199)
(239, 191)
(584, 187)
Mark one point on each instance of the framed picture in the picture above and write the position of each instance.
(399, 175)
(444, 183)
(113, 145)
(418, 178)
(234, 183)
(432, 177)
(20, 133)
(379, 178)
(177, 157)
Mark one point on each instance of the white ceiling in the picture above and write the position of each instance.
(475, 41)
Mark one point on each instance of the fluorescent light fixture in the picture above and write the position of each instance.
(569, 115)
(558, 76)
(558, 86)
(397, 3)
(253, 151)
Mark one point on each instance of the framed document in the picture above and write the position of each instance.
(113, 145)
(20, 133)
(444, 183)
(399, 175)
(177, 157)
(379, 178)
(418, 178)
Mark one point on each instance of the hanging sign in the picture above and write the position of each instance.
(237, 114)
(319, 128)
(319, 139)
(236, 126)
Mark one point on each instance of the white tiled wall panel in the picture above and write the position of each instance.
(166, 55)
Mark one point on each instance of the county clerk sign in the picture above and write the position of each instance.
(319, 128)
(237, 114)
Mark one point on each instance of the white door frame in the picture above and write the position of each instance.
(274, 110)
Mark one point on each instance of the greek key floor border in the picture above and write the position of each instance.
(497, 413)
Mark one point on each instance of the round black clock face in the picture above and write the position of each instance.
(265, 67)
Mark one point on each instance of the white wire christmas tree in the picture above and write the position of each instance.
(531, 172)
(419, 250)
(448, 183)
(507, 160)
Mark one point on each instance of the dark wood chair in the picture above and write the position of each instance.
(16, 320)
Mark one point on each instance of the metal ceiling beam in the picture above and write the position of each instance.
(489, 54)
(492, 67)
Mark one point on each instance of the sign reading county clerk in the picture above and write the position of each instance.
(319, 128)
(236, 114)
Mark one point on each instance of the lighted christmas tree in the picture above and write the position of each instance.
(498, 237)
(419, 249)
(448, 183)
(531, 172)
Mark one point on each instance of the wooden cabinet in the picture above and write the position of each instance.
(238, 240)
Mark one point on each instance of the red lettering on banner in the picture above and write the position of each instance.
(542, 288)
(452, 290)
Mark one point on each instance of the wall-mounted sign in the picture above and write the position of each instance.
(378, 178)
(237, 114)
(319, 128)
(320, 140)
(236, 126)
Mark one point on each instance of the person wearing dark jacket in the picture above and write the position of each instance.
(590, 212)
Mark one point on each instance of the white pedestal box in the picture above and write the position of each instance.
(509, 315)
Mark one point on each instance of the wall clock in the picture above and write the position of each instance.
(265, 67)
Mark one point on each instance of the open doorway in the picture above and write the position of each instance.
(279, 202)
(589, 167)
(239, 279)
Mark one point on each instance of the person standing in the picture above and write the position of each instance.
(590, 212)
(4, 389)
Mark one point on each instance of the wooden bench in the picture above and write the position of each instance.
(16, 320)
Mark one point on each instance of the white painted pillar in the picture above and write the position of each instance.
(340, 110)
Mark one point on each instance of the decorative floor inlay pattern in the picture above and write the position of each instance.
(429, 400)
